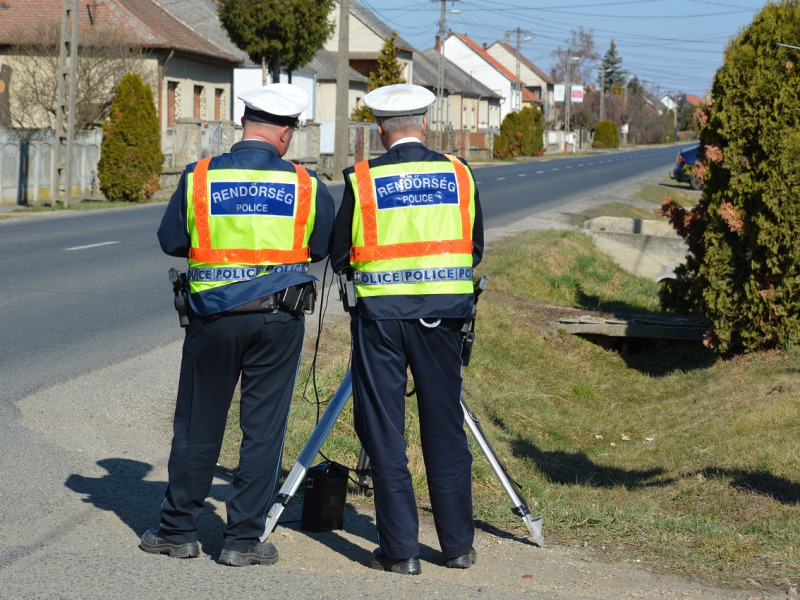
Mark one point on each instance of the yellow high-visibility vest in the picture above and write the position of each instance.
(412, 228)
(243, 218)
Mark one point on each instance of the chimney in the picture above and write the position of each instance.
(484, 45)
(436, 43)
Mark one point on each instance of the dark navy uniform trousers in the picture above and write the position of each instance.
(264, 348)
(383, 351)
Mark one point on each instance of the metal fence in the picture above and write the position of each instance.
(26, 155)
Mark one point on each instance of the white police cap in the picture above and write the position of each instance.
(399, 100)
(277, 103)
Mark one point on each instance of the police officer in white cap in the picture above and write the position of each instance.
(409, 232)
(249, 223)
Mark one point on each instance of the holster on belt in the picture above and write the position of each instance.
(296, 300)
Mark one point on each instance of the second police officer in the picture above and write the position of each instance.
(409, 232)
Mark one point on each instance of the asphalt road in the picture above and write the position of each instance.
(89, 344)
(83, 290)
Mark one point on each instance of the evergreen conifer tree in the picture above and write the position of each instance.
(744, 271)
(520, 134)
(387, 72)
(130, 155)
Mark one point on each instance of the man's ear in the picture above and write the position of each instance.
(424, 123)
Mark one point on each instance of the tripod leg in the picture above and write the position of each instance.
(362, 469)
(521, 509)
(298, 472)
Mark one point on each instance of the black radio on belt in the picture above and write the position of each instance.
(347, 290)
(468, 329)
(298, 299)
(295, 300)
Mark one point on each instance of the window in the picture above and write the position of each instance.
(198, 102)
(172, 103)
(218, 97)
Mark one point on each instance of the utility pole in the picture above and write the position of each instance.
(567, 102)
(440, 116)
(625, 95)
(602, 93)
(516, 101)
(568, 98)
(341, 139)
(675, 119)
(65, 111)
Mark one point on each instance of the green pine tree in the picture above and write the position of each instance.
(130, 155)
(612, 65)
(387, 72)
(744, 272)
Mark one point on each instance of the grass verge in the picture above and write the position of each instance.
(670, 456)
(657, 194)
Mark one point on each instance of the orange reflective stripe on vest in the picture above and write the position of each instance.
(200, 203)
(205, 253)
(462, 177)
(371, 250)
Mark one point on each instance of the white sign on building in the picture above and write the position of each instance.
(560, 91)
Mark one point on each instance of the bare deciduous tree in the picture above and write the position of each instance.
(103, 59)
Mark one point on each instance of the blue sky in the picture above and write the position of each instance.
(674, 44)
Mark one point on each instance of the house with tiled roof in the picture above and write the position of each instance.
(366, 35)
(692, 99)
(475, 60)
(203, 15)
(469, 104)
(190, 73)
(535, 81)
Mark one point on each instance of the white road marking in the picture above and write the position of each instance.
(91, 246)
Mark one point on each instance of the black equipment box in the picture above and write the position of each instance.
(324, 497)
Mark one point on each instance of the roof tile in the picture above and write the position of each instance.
(144, 23)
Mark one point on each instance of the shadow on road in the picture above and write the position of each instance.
(124, 492)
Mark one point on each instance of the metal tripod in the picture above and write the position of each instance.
(297, 475)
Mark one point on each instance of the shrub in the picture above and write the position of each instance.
(130, 155)
(746, 274)
(606, 135)
(520, 134)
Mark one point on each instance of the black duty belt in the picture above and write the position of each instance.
(296, 300)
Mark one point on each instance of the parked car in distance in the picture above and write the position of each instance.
(687, 156)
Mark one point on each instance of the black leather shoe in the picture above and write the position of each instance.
(260, 554)
(465, 561)
(157, 545)
(404, 566)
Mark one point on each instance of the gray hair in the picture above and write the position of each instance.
(401, 124)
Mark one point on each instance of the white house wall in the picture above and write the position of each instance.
(250, 78)
(326, 99)
(529, 77)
